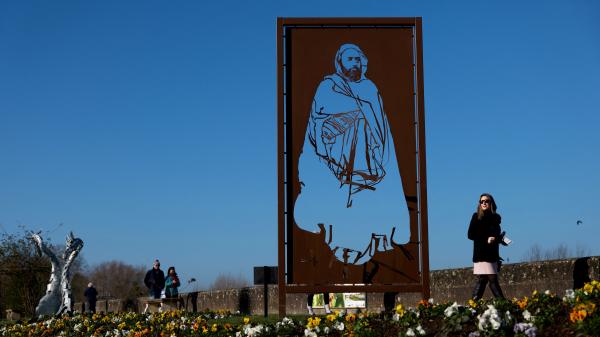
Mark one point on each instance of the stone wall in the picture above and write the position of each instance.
(517, 280)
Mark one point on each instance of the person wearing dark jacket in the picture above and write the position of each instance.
(155, 280)
(485, 232)
(91, 295)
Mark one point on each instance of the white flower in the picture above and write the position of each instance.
(284, 322)
(251, 331)
(527, 315)
(481, 323)
(420, 330)
(547, 292)
(451, 310)
(309, 333)
(410, 332)
(396, 317)
(431, 300)
(569, 294)
(339, 326)
(489, 318)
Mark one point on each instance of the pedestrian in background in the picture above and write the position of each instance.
(171, 283)
(91, 295)
(155, 280)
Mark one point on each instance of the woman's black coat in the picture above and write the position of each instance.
(479, 232)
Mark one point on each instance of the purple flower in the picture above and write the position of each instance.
(527, 328)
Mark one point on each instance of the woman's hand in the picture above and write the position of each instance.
(491, 239)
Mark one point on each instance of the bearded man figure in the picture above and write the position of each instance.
(348, 169)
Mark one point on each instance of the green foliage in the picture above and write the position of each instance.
(456, 320)
(547, 309)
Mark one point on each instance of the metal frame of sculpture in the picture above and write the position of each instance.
(309, 262)
(58, 298)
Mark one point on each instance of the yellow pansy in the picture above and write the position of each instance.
(400, 310)
(313, 322)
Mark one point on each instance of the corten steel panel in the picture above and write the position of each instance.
(393, 48)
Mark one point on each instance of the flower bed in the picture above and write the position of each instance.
(542, 314)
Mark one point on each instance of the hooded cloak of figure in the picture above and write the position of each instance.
(348, 151)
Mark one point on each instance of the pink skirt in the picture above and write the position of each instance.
(485, 268)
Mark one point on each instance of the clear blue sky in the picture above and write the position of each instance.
(148, 127)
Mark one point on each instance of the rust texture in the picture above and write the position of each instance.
(307, 49)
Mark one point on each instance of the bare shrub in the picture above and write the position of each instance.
(562, 251)
(533, 254)
(117, 279)
(229, 281)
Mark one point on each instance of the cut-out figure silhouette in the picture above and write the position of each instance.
(348, 168)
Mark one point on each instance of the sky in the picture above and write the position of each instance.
(148, 128)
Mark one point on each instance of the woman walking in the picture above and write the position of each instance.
(484, 230)
(171, 283)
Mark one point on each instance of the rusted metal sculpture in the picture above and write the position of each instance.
(58, 298)
(332, 122)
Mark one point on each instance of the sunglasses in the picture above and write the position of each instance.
(484, 201)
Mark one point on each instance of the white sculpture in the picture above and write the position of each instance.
(58, 297)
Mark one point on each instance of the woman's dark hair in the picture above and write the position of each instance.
(492, 208)
(169, 271)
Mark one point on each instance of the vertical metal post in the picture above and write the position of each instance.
(424, 240)
(267, 274)
(280, 173)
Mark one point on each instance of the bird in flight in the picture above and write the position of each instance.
(579, 222)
